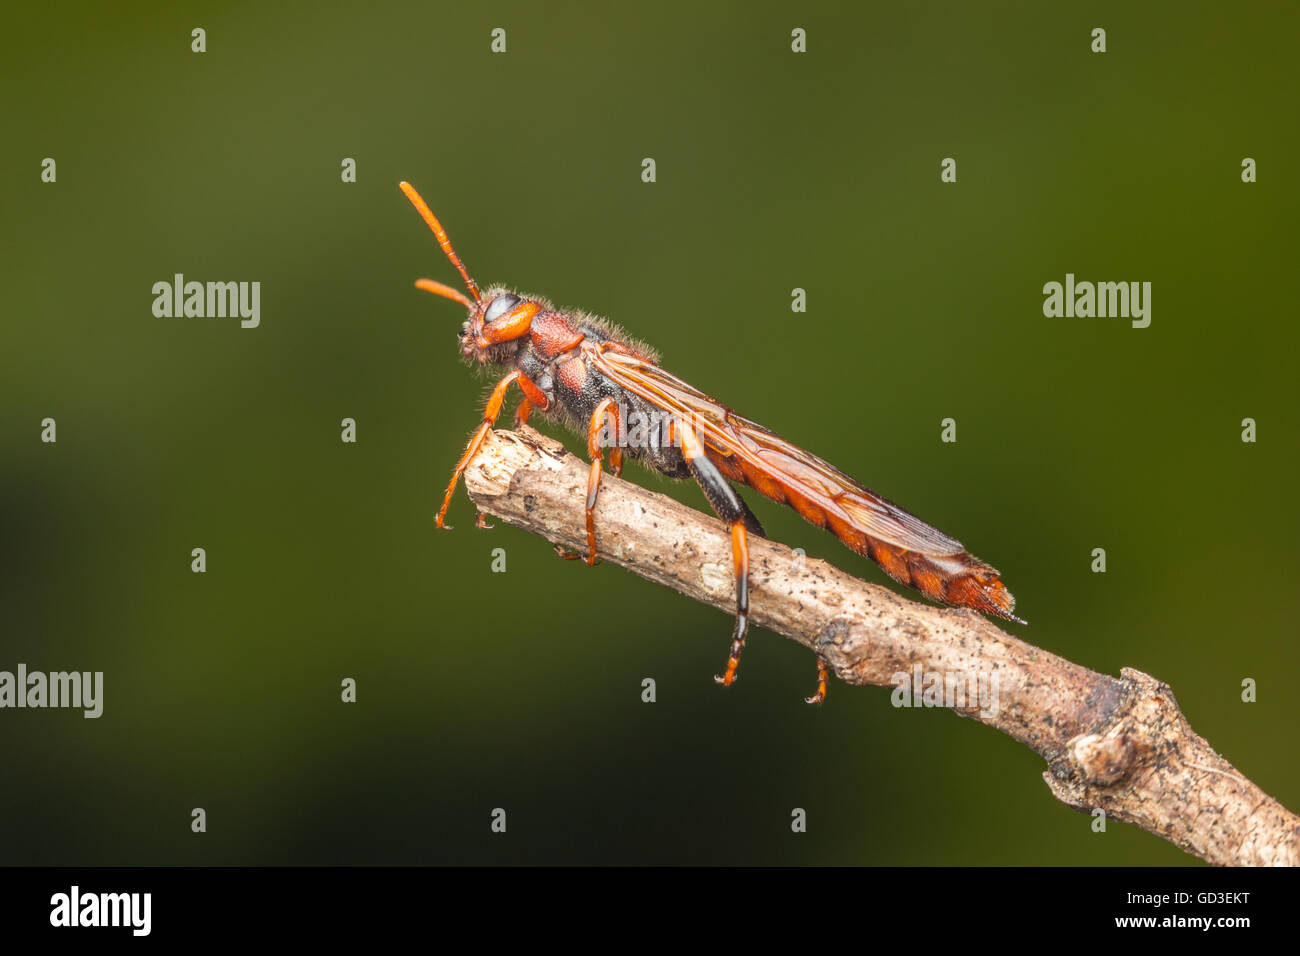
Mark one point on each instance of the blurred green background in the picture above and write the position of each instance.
(775, 170)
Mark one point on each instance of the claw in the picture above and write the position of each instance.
(822, 677)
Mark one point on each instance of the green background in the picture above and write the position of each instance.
(775, 170)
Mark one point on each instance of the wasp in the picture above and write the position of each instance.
(586, 373)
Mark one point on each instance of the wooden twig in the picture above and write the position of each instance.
(1121, 745)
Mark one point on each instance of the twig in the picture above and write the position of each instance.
(1121, 745)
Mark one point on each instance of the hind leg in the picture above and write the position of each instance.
(822, 677)
(732, 510)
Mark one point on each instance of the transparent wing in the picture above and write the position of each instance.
(766, 458)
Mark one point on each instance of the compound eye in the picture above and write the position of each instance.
(500, 306)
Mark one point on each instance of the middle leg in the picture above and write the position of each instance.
(607, 409)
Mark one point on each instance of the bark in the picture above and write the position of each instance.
(1118, 744)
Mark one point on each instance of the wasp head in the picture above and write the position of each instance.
(496, 326)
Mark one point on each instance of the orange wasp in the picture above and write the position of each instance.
(585, 372)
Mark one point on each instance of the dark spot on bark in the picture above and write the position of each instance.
(530, 504)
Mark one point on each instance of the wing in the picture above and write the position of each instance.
(750, 453)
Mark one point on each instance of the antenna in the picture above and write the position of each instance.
(441, 235)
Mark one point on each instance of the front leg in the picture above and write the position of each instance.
(490, 414)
